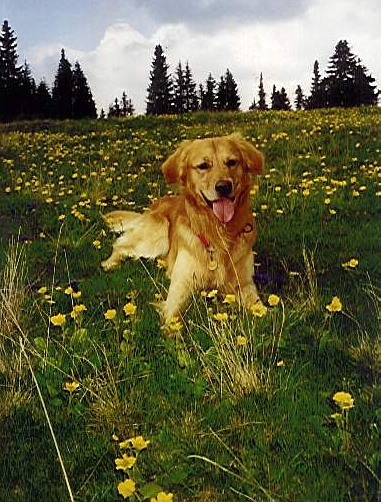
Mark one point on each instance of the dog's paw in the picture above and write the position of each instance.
(109, 264)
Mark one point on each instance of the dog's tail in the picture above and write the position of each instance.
(119, 221)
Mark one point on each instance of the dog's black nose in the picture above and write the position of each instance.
(224, 188)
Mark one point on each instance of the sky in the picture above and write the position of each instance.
(114, 40)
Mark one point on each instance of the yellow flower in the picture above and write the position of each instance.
(162, 497)
(161, 264)
(71, 386)
(126, 488)
(229, 299)
(42, 290)
(335, 305)
(129, 309)
(58, 320)
(352, 263)
(258, 309)
(241, 341)
(77, 309)
(110, 314)
(125, 463)
(280, 363)
(76, 294)
(273, 300)
(212, 294)
(69, 291)
(344, 400)
(97, 244)
(174, 324)
(138, 443)
(221, 316)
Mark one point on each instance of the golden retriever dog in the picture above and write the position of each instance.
(206, 233)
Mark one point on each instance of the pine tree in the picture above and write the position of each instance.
(299, 98)
(83, 105)
(127, 109)
(114, 109)
(279, 99)
(63, 89)
(317, 98)
(27, 104)
(179, 98)
(191, 100)
(233, 101)
(347, 82)
(221, 95)
(262, 95)
(209, 99)
(43, 101)
(10, 75)
(159, 99)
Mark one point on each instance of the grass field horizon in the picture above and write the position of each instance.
(281, 404)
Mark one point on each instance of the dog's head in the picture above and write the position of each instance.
(215, 170)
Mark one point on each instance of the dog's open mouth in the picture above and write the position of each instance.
(222, 207)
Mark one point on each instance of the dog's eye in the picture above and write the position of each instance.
(203, 166)
(231, 162)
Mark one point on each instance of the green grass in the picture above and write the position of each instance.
(226, 422)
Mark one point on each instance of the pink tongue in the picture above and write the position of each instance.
(223, 209)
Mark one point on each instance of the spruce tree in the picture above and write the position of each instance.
(299, 98)
(27, 104)
(159, 99)
(63, 89)
(279, 99)
(83, 105)
(191, 100)
(127, 108)
(221, 95)
(262, 95)
(43, 101)
(179, 98)
(317, 98)
(10, 75)
(209, 101)
(233, 101)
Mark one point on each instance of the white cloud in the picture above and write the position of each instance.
(284, 50)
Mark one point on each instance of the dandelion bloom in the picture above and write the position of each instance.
(344, 400)
(162, 497)
(58, 320)
(221, 316)
(126, 488)
(335, 305)
(241, 341)
(258, 309)
(110, 314)
(125, 463)
(229, 299)
(71, 386)
(129, 309)
(273, 300)
(352, 263)
(77, 309)
(138, 443)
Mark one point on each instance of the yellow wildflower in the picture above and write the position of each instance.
(258, 309)
(162, 497)
(42, 290)
(229, 299)
(110, 314)
(221, 316)
(77, 309)
(280, 363)
(125, 463)
(138, 443)
(241, 341)
(161, 263)
(352, 263)
(174, 324)
(273, 300)
(58, 320)
(212, 294)
(335, 305)
(126, 488)
(97, 244)
(129, 309)
(69, 291)
(344, 400)
(71, 386)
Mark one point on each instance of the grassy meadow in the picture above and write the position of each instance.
(98, 403)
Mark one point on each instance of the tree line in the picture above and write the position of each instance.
(347, 82)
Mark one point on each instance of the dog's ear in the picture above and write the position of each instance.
(253, 159)
(173, 168)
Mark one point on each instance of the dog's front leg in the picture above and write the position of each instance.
(181, 287)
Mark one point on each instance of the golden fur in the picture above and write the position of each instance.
(206, 233)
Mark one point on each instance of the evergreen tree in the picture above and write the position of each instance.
(262, 95)
(83, 105)
(347, 82)
(209, 99)
(114, 109)
(190, 94)
(10, 75)
(221, 95)
(299, 98)
(102, 115)
(127, 106)
(279, 99)
(159, 99)
(27, 104)
(43, 101)
(317, 98)
(63, 89)
(232, 98)
(179, 98)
